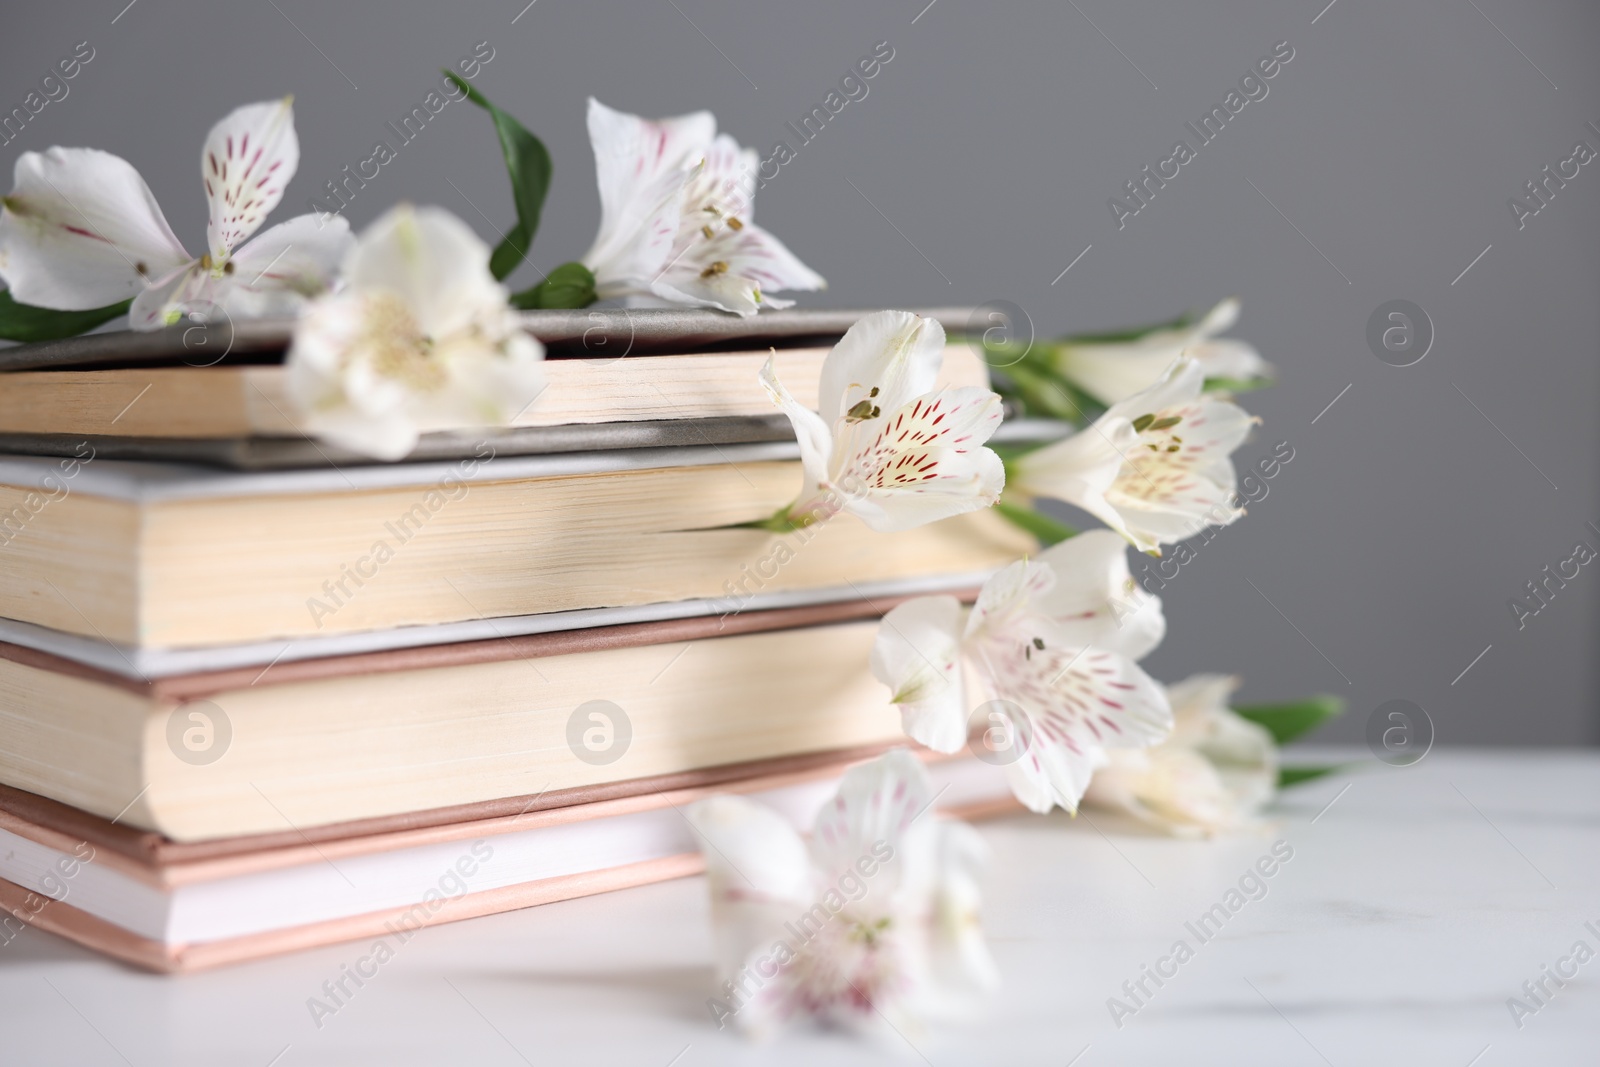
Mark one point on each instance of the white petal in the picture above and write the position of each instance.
(492, 377)
(759, 872)
(1192, 507)
(1180, 384)
(1111, 373)
(722, 180)
(816, 442)
(917, 654)
(1171, 788)
(1243, 753)
(420, 339)
(895, 352)
(272, 276)
(432, 262)
(1006, 596)
(876, 804)
(1169, 491)
(188, 288)
(922, 463)
(963, 971)
(1081, 469)
(1195, 700)
(719, 257)
(340, 398)
(734, 271)
(80, 230)
(302, 255)
(247, 161)
(1095, 599)
(1052, 775)
(1108, 700)
(1219, 319)
(1170, 482)
(1227, 358)
(641, 168)
(1114, 372)
(1077, 702)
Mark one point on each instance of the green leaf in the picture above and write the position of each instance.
(509, 253)
(24, 322)
(1043, 394)
(1288, 721)
(1290, 776)
(570, 285)
(528, 164)
(1047, 530)
(1236, 385)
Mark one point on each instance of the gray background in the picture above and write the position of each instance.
(982, 162)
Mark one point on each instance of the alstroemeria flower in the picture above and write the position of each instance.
(1214, 774)
(81, 230)
(1052, 644)
(886, 447)
(872, 922)
(419, 338)
(1154, 467)
(675, 217)
(1113, 372)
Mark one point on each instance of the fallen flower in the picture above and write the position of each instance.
(872, 923)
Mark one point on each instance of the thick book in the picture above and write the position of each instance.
(536, 721)
(172, 907)
(143, 555)
(616, 379)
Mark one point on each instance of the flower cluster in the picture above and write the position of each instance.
(407, 329)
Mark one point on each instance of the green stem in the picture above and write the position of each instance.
(1048, 531)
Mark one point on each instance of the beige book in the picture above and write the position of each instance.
(247, 401)
(174, 907)
(548, 718)
(144, 555)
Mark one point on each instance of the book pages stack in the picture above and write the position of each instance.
(258, 694)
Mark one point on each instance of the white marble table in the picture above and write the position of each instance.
(1416, 903)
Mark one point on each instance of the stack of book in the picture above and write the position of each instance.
(257, 694)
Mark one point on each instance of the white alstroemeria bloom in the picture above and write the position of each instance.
(886, 447)
(874, 919)
(1113, 372)
(81, 230)
(419, 338)
(675, 217)
(1154, 467)
(1214, 774)
(1052, 644)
